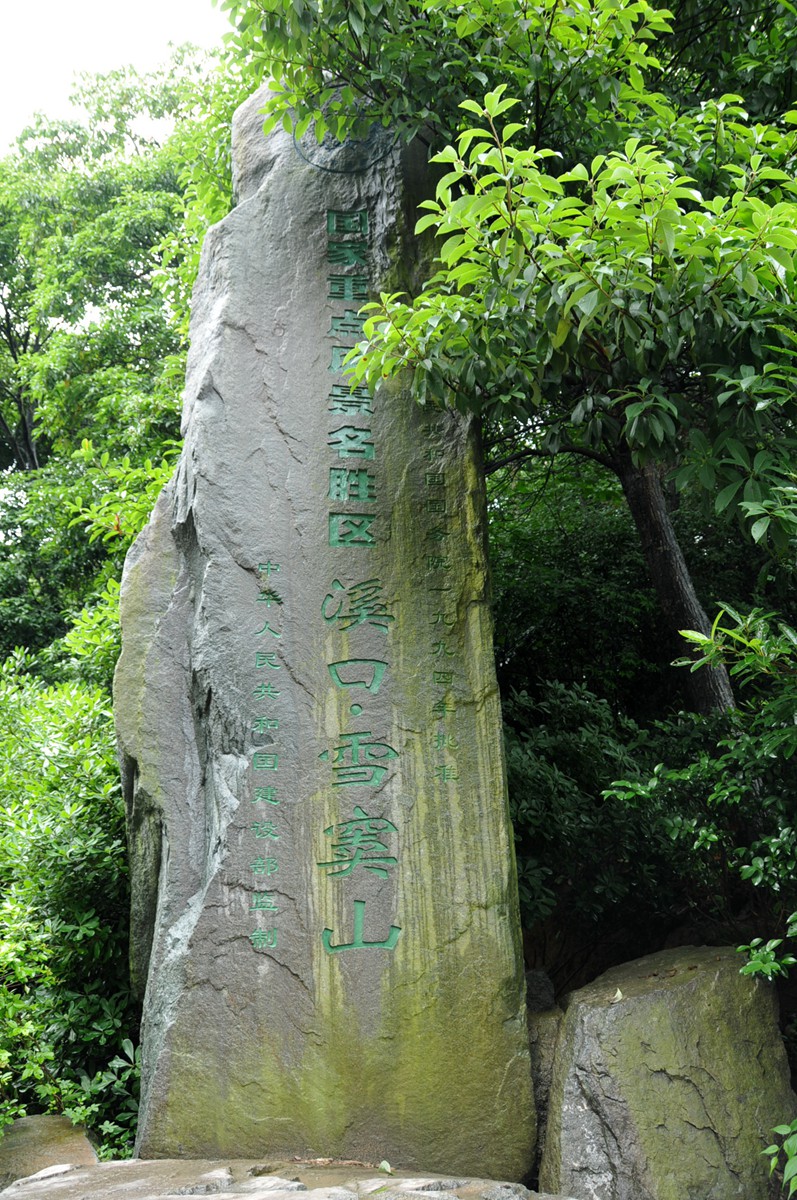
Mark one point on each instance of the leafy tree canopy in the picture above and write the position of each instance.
(95, 260)
(614, 231)
(409, 63)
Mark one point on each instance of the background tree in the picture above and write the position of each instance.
(639, 333)
(82, 339)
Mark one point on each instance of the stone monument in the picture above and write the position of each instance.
(324, 893)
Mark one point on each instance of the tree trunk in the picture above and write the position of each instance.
(20, 436)
(709, 688)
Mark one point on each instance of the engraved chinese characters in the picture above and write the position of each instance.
(265, 726)
(360, 759)
(353, 481)
(322, 864)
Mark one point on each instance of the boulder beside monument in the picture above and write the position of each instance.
(324, 892)
(669, 1075)
(31, 1144)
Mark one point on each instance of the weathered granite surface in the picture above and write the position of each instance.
(32, 1143)
(168, 1179)
(669, 1076)
(324, 892)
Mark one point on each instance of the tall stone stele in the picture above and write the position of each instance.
(324, 891)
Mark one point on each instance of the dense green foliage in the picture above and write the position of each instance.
(100, 225)
(610, 869)
(595, 296)
(64, 997)
(565, 555)
(629, 831)
(694, 848)
(746, 782)
(409, 64)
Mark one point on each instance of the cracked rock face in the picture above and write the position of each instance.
(324, 900)
(669, 1076)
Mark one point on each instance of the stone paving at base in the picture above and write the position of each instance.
(168, 1179)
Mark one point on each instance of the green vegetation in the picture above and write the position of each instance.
(65, 1004)
(614, 296)
(788, 1148)
(100, 226)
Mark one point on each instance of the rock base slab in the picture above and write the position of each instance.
(167, 1179)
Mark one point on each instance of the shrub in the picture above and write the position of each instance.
(598, 875)
(66, 1012)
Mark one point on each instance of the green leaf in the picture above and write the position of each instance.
(790, 1170)
(759, 528)
(560, 336)
(726, 495)
(578, 172)
(588, 301)
(466, 25)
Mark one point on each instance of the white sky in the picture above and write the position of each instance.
(45, 43)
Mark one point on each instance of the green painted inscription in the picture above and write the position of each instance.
(358, 667)
(356, 843)
(357, 762)
(349, 325)
(358, 941)
(348, 287)
(265, 795)
(264, 939)
(351, 529)
(352, 220)
(348, 484)
(357, 604)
